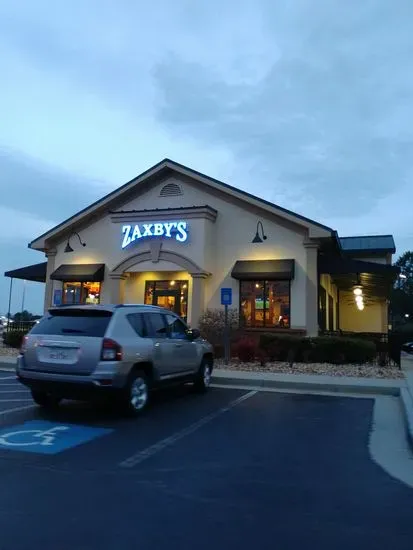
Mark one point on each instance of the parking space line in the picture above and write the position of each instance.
(13, 391)
(17, 409)
(140, 456)
(7, 378)
(14, 400)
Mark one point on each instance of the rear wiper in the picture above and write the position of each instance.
(73, 331)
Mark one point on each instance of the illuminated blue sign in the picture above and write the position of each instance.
(172, 230)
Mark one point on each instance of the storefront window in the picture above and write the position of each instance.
(265, 304)
(81, 293)
(172, 295)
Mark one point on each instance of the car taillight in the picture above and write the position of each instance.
(111, 350)
(23, 345)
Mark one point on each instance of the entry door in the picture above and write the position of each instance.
(169, 299)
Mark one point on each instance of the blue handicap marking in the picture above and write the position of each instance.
(47, 437)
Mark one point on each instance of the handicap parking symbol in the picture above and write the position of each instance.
(47, 437)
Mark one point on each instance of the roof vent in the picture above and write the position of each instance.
(171, 190)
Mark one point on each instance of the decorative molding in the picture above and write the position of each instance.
(165, 255)
(118, 276)
(189, 213)
(155, 249)
(50, 252)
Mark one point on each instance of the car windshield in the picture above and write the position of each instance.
(76, 322)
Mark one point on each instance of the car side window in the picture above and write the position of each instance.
(176, 328)
(137, 322)
(156, 325)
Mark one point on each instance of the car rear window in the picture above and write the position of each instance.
(76, 323)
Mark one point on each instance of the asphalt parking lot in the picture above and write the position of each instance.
(230, 469)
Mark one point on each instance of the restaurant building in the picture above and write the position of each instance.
(174, 237)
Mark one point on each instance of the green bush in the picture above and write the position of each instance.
(14, 338)
(321, 349)
(246, 349)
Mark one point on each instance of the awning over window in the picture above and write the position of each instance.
(274, 270)
(79, 273)
(35, 272)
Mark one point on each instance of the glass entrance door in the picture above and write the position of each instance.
(172, 295)
(169, 299)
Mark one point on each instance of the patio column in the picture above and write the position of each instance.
(311, 305)
(198, 297)
(48, 293)
(117, 288)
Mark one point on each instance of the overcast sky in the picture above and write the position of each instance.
(307, 103)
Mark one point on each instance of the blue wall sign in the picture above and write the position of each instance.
(47, 437)
(57, 297)
(226, 296)
(172, 230)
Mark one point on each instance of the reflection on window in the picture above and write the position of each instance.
(265, 304)
(81, 293)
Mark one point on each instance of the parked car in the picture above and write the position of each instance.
(123, 351)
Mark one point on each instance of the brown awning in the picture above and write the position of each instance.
(35, 272)
(79, 273)
(272, 270)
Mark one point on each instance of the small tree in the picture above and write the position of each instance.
(405, 282)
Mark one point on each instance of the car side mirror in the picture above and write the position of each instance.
(193, 333)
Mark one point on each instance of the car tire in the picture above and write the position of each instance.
(45, 400)
(136, 394)
(202, 379)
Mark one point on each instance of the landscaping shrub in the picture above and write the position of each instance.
(212, 324)
(14, 338)
(321, 349)
(246, 349)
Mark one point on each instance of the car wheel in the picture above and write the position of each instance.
(203, 377)
(137, 394)
(45, 399)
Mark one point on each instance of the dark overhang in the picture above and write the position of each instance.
(275, 270)
(368, 245)
(79, 273)
(377, 279)
(35, 272)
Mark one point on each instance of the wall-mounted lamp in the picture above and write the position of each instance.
(257, 238)
(68, 248)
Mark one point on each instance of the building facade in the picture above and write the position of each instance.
(174, 237)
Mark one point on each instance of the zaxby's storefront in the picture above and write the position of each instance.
(174, 237)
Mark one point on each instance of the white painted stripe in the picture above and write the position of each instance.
(17, 409)
(140, 456)
(14, 391)
(14, 400)
(8, 378)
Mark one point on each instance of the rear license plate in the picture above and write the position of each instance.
(57, 355)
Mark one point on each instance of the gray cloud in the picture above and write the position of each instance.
(331, 116)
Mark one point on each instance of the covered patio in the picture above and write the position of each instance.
(34, 272)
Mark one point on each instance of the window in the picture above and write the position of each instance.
(265, 304)
(322, 308)
(331, 313)
(80, 323)
(156, 326)
(137, 323)
(81, 293)
(176, 328)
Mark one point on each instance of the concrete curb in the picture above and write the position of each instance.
(407, 408)
(363, 386)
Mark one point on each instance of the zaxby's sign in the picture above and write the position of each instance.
(171, 230)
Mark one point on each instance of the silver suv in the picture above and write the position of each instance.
(77, 352)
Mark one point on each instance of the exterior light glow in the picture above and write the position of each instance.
(359, 299)
(360, 305)
(358, 291)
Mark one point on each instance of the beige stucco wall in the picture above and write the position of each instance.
(214, 246)
(372, 319)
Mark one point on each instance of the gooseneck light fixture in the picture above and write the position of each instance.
(258, 238)
(68, 248)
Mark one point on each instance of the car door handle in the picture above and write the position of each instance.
(178, 345)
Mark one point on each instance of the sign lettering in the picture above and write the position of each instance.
(172, 230)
